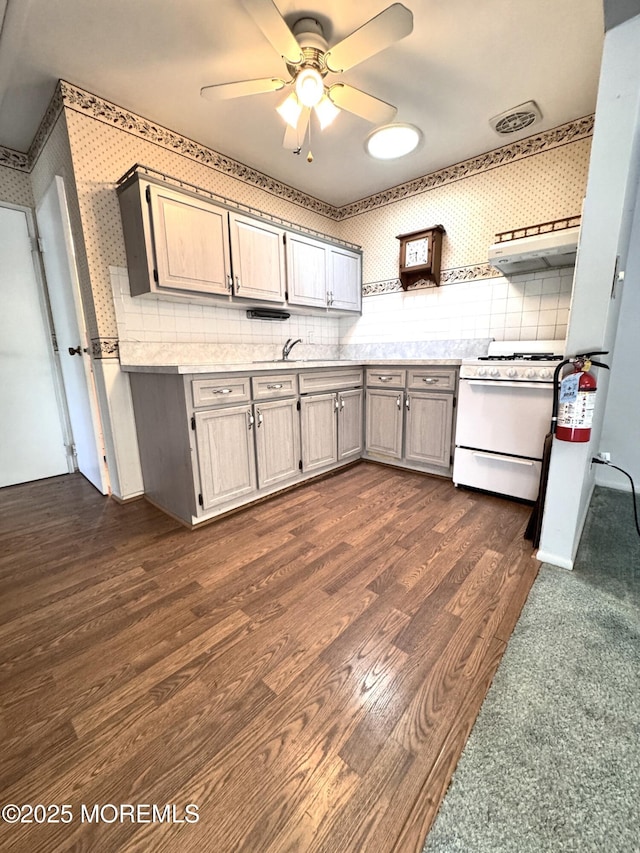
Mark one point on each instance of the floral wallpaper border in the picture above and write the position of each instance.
(72, 97)
(105, 348)
(473, 272)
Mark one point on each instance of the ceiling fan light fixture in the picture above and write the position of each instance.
(309, 87)
(326, 111)
(290, 109)
(392, 141)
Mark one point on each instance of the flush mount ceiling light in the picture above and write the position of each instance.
(392, 141)
(309, 59)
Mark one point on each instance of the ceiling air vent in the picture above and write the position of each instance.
(517, 118)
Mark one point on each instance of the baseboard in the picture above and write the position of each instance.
(127, 500)
(554, 560)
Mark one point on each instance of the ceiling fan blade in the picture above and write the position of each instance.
(294, 136)
(391, 25)
(359, 103)
(274, 27)
(224, 91)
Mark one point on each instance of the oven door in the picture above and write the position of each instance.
(504, 417)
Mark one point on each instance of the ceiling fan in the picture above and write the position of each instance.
(309, 59)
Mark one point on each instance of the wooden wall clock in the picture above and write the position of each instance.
(420, 253)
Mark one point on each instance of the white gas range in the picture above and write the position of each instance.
(504, 413)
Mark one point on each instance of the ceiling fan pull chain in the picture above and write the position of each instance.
(309, 155)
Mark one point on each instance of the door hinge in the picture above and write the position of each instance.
(451, 459)
(37, 245)
(286, 295)
(454, 402)
(200, 500)
(155, 276)
(284, 239)
(298, 405)
(147, 193)
(300, 464)
(193, 422)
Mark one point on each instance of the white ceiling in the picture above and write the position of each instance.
(465, 61)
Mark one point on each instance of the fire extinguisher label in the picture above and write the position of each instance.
(569, 388)
(578, 414)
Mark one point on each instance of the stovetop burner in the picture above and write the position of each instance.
(522, 356)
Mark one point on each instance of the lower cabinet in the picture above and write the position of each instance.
(226, 457)
(211, 443)
(331, 426)
(277, 434)
(384, 422)
(409, 426)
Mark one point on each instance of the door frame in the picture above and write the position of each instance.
(72, 284)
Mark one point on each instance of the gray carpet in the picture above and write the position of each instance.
(553, 761)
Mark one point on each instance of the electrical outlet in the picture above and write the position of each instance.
(605, 456)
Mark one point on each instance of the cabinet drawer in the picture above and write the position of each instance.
(432, 379)
(386, 378)
(218, 390)
(271, 387)
(330, 380)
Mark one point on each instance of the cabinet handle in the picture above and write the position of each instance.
(399, 401)
(260, 418)
(229, 283)
(408, 403)
(237, 283)
(222, 391)
(274, 387)
(252, 420)
(336, 403)
(341, 402)
(430, 380)
(385, 378)
(329, 297)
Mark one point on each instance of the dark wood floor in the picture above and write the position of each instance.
(306, 671)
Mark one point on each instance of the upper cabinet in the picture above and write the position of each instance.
(179, 243)
(258, 259)
(345, 279)
(322, 275)
(174, 242)
(307, 271)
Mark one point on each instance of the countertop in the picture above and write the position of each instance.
(279, 366)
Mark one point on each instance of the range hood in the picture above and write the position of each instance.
(538, 252)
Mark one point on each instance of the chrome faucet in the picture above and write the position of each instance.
(286, 349)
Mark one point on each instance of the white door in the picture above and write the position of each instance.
(32, 425)
(71, 334)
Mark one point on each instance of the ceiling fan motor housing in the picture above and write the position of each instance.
(310, 37)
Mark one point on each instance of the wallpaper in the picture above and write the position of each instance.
(15, 187)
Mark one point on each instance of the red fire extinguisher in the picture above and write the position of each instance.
(577, 399)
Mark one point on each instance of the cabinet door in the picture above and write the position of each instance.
(258, 259)
(349, 423)
(428, 429)
(307, 271)
(319, 431)
(384, 422)
(277, 441)
(345, 279)
(226, 460)
(191, 242)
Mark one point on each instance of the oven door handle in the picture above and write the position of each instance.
(501, 383)
(499, 458)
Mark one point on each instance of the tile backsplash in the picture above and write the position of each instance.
(526, 307)
(532, 306)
